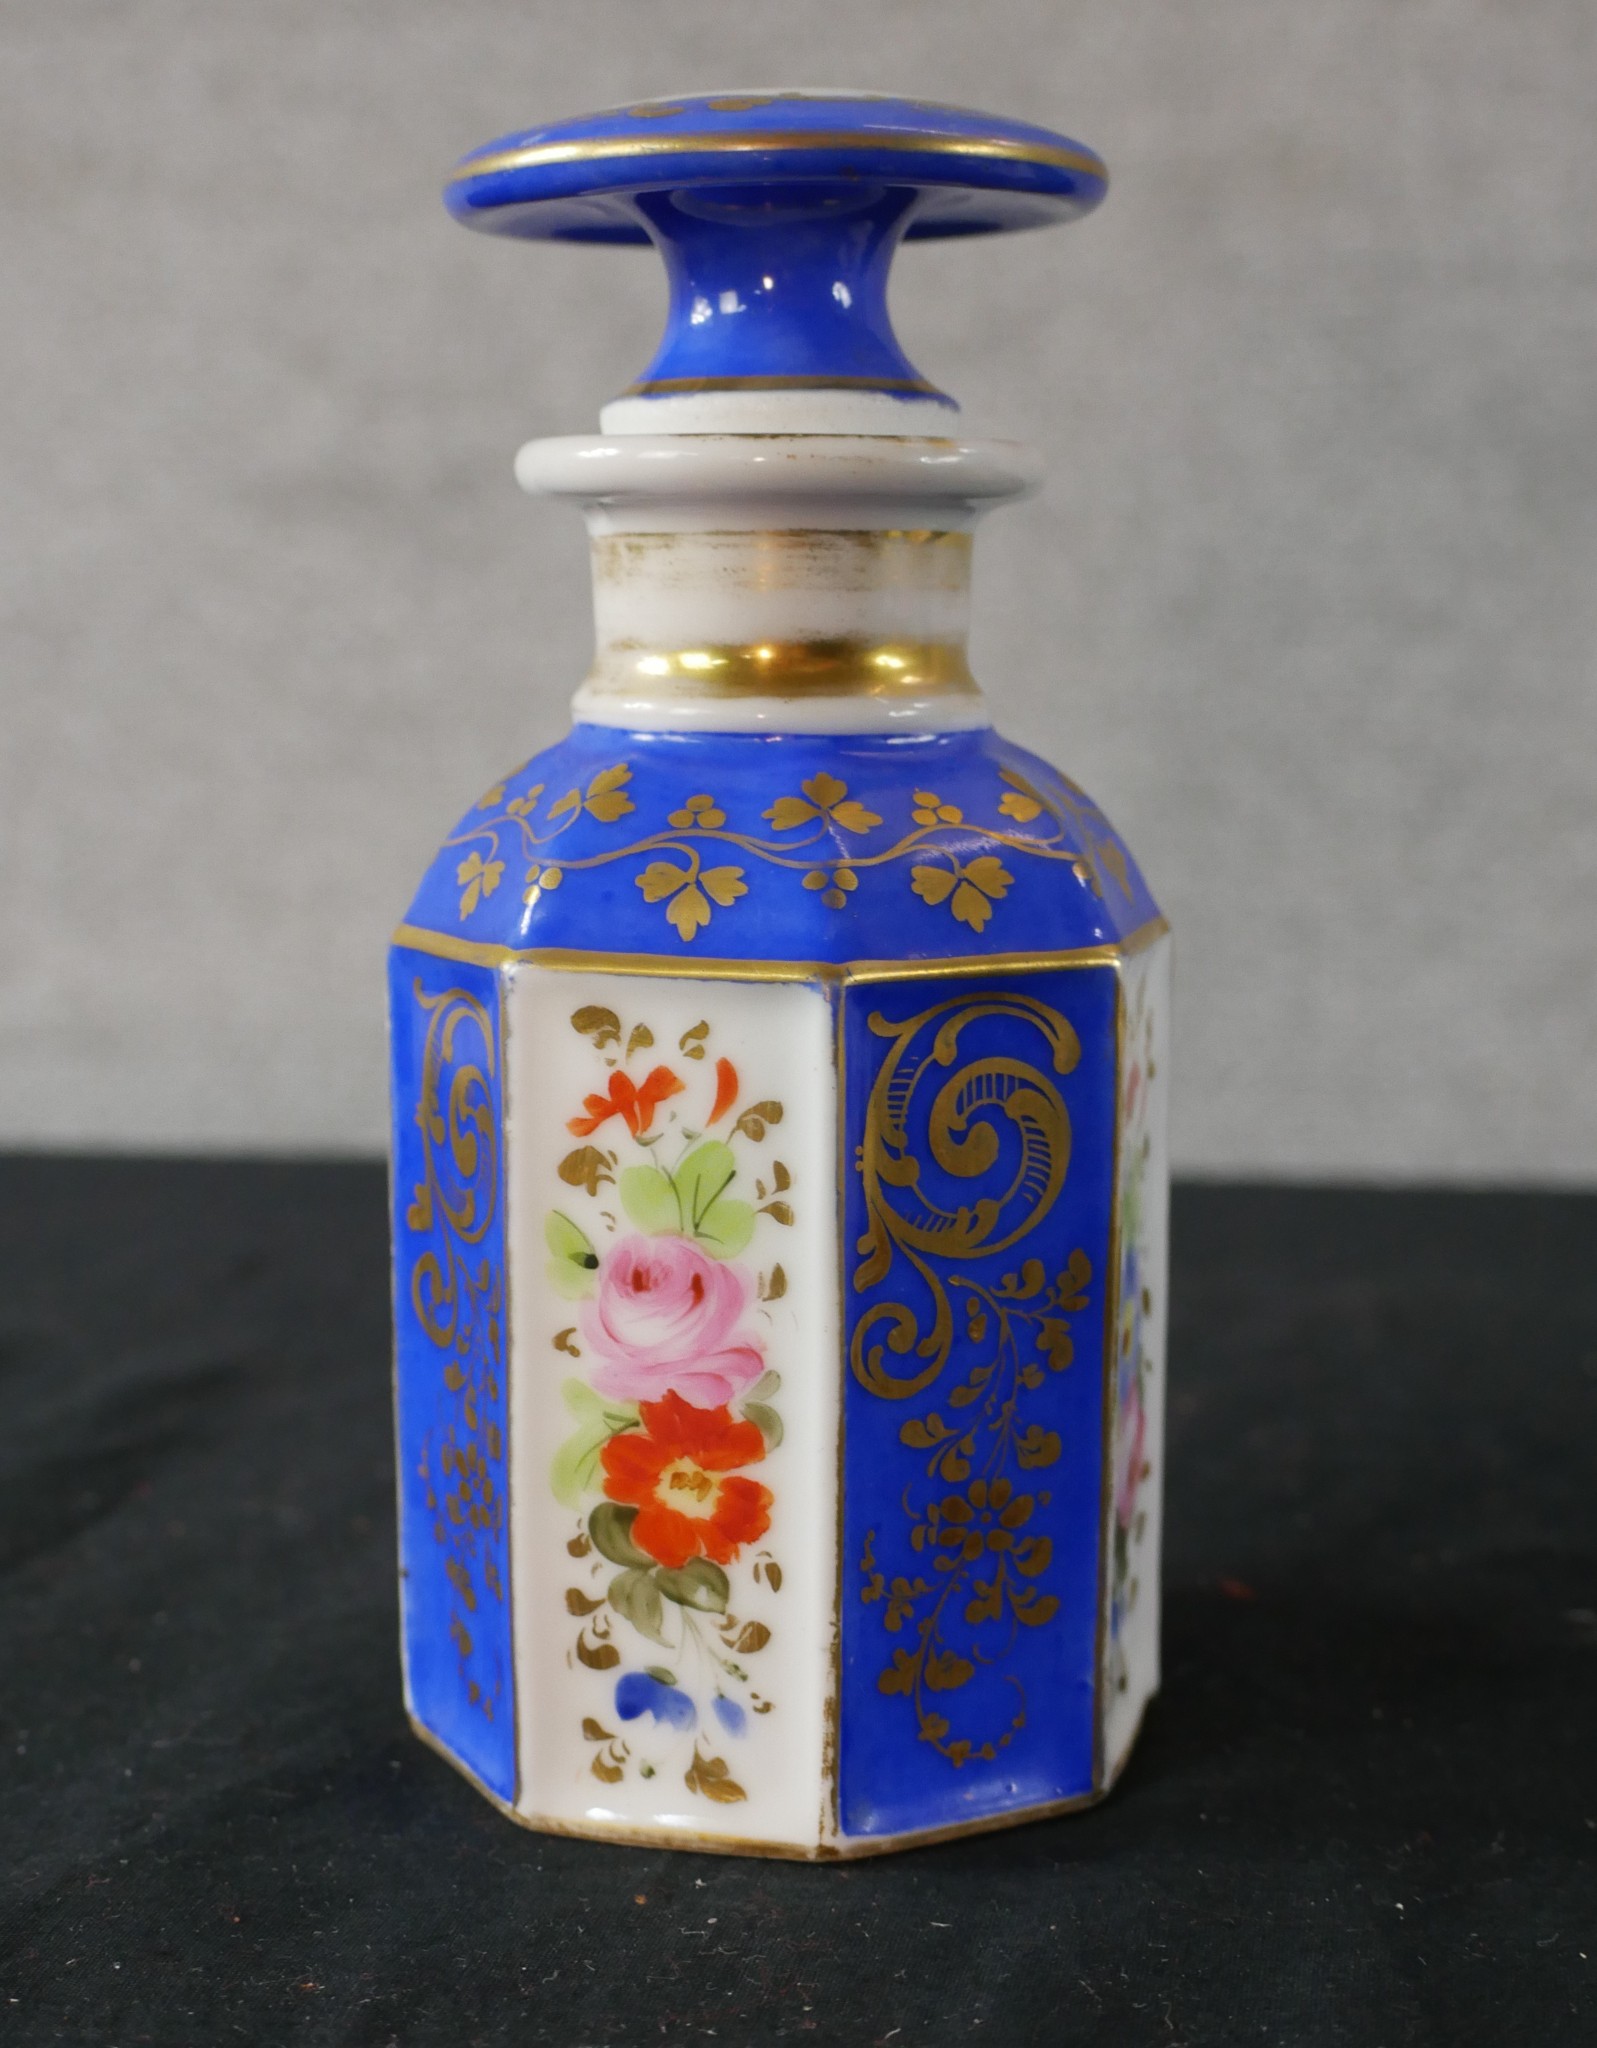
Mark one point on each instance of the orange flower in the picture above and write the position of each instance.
(634, 1105)
(673, 1471)
(726, 1089)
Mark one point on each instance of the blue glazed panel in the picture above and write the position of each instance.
(979, 1190)
(741, 846)
(450, 1358)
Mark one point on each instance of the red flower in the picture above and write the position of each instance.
(726, 1089)
(636, 1106)
(672, 1471)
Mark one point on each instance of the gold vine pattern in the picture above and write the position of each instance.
(457, 1291)
(980, 1566)
(811, 835)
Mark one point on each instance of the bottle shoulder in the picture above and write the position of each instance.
(767, 847)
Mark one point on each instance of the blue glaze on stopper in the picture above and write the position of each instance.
(777, 216)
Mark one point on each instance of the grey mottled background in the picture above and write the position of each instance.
(1309, 604)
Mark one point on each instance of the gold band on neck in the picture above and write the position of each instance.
(851, 667)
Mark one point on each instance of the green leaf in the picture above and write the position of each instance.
(575, 1468)
(765, 1385)
(650, 1199)
(702, 1178)
(566, 1241)
(610, 1526)
(576, 1463)
(569, 1280)
(587, 1406)
(634, 1594)
(574, 1261)
(659, 1671)
(700, 1205)
(766, 1421)
(726, 1228)
(699, 1584)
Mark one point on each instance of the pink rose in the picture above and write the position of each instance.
(665, 1321)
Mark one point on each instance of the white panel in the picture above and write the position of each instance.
(676, 1343)
(1135, 1511)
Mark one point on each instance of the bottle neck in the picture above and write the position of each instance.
(796, 629)
(804, 584)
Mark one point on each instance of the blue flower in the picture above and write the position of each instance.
(638, 1693)
(731, 1716)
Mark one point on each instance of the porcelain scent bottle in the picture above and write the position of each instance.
(779, 1067)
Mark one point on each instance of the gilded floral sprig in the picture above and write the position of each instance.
(821, 814)
(687, 892)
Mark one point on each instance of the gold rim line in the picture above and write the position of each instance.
(762, 141)
(508, 1461)
(819, 380)
(844, 667)
(849, 1849)
(1106, 1399)
(578, 960)
(1144, 936)
(832, 1753)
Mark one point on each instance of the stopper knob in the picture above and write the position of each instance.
(777, 215)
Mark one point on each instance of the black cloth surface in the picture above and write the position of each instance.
(1363, 1811)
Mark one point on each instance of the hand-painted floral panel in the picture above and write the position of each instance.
(675, 1223)
(1133, 1520)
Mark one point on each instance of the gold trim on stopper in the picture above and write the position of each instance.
(690, 387)
(763, 142)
